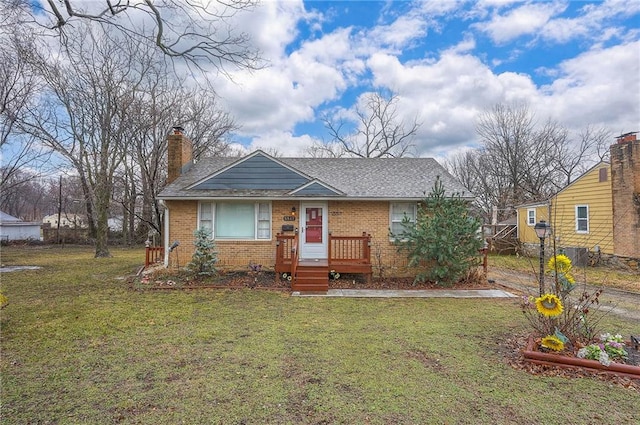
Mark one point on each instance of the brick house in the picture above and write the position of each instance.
(300, 216)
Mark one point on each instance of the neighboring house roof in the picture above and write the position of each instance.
(6, 218)
(13, 228)
(260, 175)
(533, 204)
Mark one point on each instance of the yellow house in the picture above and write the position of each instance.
(581, 214)
(528, 216)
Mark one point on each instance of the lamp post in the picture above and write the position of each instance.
(542, 230)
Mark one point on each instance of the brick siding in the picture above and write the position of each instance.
(349, 218)
(625, 181)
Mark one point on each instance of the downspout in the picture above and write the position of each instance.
(165, 242)
(552, 237)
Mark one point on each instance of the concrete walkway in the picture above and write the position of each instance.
(409, 293)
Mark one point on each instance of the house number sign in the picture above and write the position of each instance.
(289, 218)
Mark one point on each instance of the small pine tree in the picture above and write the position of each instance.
(204, 259)
(443, 241)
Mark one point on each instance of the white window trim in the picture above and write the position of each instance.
(577, 219)
(213, 217)
(534, 216)
(391, 204)
(256, 206)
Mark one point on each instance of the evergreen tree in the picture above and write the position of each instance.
(204, 259)
(443, 242)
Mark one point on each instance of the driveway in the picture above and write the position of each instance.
(622, 303)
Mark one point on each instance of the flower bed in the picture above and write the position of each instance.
(532, 354)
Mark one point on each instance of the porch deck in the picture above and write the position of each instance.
(346, 254)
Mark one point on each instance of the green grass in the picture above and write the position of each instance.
(79, 347)
(620, 279)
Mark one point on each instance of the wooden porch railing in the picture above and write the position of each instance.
(351, 254)
(153, 255)
(294, 256)
(286, 246)
(350, 249)
(346, 254)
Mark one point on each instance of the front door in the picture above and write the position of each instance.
(313, 230)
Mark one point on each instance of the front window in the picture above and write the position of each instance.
(531, 217)
(582, 218)
(398, 212)
(236, 220)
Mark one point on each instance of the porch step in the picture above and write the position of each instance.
(311, 278)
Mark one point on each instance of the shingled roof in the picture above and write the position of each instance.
(326, 178)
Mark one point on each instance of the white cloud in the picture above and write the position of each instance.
(598, 87)
(285, 93)
(272, 25)
(593, 21)
(446, 95)
(282, 143)
(522, 20)
(402, 32)
(446, 91)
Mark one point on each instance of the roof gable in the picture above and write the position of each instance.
(315, 188)
(8, 218)
(257, 171)
(581, 178)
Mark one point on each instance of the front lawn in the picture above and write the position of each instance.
(78, 346)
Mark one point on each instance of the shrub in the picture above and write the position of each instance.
(204, 259)
(443, 242)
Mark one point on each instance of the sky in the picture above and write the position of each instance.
(576, 62)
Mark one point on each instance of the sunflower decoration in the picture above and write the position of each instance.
(549, 305)
(561, 264)
(552, 343)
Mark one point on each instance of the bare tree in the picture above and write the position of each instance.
(19, 87)
(91, 87)
(21, 194)
(573, 158)
(18, 84)
(324, 150)
(378, 133)
(520, 160)
(518, 151)
(198, 32)
(165, 104)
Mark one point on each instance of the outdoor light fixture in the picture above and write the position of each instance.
(174, 246)
(543, 230)
(293, 211)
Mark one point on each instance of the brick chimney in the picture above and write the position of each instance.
(179, 154)
(625, 187)
(627, 137)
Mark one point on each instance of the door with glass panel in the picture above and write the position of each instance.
(313, 230)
